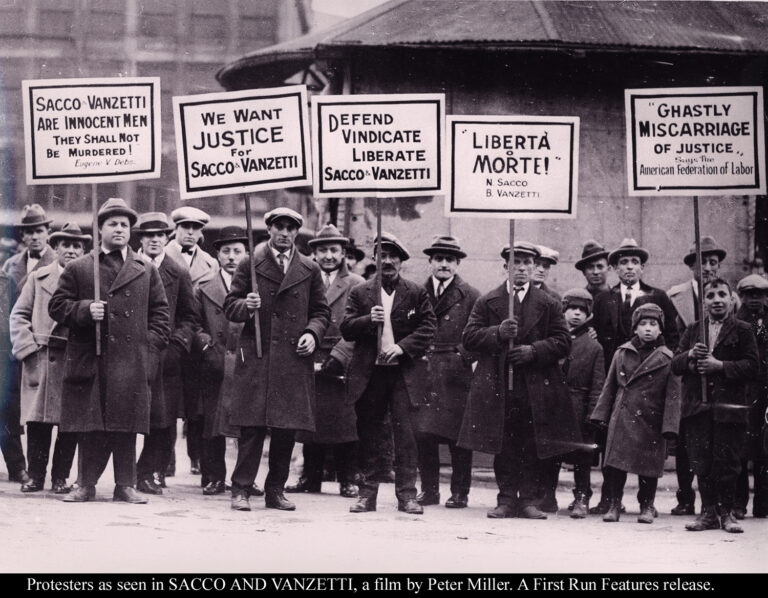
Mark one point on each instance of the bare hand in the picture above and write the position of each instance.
(521, 355)
(97, 309)
(377, 314)
(592, 333)
(252, 302)
(391, 353)
(709, 365)
(306, 345)
(508, 329)
(699, 351)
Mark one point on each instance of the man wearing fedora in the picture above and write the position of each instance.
(335, 421)
(450, 371)
(277, 391)
(593, 264)
(152, 231)
(548, 257)
(536, 420)
(38, 343)
(106, 398)
(216, 341)
(393, 381)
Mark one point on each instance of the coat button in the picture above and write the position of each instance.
(127, 293)
(112, 316)
(128, 338)
(111, 294)
(219, 334)
(447, 317)
(127, 314)
(112, 339)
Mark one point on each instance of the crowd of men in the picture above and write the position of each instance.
(303, 349)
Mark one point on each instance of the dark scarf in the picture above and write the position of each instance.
(645, 349)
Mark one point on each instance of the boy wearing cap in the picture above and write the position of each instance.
(716, 424)
(38, 343)
(152, 230)
(276, 391)
(753, 290)
(106, 398)
(640, 405)
(450, 369)
(542, 265)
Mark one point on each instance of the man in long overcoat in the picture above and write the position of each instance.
(536, 420)
(9, 384)
(277, 391)
(335, 421)
(450, 373)
(167, 398)
(38, 343)
(106, 399)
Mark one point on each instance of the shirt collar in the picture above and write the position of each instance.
(275, 252)
(524, 287)
(227, 278)
(446, 283)
(123, 251)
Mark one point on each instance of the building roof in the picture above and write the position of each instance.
(681, 26)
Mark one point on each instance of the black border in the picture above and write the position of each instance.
(377, 190)
(129, 173)
(634, 96)
(454, 210)
(253, 185)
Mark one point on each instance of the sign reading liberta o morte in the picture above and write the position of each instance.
(236, 142)
(386, 145)
(91, 130)
(512, 166)
(695, 141)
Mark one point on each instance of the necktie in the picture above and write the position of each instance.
(628, 298)
(326, 279)
(188, 250)
(518, 291)
(440, 288)
(281, 261)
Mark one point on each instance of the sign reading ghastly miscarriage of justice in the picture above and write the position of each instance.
(695, 141)
(91, 130)
(236, 142)
(386, 145)
(512, 167)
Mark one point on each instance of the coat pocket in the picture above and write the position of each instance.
(31, 371)
(80, 365)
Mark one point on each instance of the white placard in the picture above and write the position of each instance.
(695, 141)
(92, 130)
(242, 141)
(512, 166)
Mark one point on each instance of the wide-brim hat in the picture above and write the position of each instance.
(189, 214)
(648, 310)
(328, 234)
(116, 206)
(33, 215)
(753, 282)
(273, 215)
(445, 244)
(390, 240)
(549, 254)
(353, 249)
(592, 251)
(152, 222)
(231, 234)
(628, 247)
(708, 245)
(523, 247)
(72, 231)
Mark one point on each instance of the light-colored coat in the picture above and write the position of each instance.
(203, 266)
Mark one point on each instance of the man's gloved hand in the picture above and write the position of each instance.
(508, 329)
(522, 354)
(332, 367)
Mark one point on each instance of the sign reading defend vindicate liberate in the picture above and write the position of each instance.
(91, 130)
(512, 166)
(242, 141)
(695, 141)
(386, 145)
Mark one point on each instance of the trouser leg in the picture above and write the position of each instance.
(123, 457)
(314, 458)
(95, 449)
(404, 436)
(646, 492)
(582, 479)
(10, 416)
(38, 449)
(63, 455)
(683, 470)
(150, 454)
(280, 449)
(214, 458)
(429, 463)
(372, 410)
(345, 455)
(461, 469)
(249, 450)
(615, 480)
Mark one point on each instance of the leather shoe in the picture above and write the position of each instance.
(304, 485)
(277, 500)
(707, 520)
(128, 494)
(737, 512)
(59, 486)
(148, 486)
(549, 504)
(532, 512)
(502, 512)
(728, 523)
(410, 506)
(159, 479)
(240, 502)
(457, 501)
(428, 498)
(21, 476)
(81, 494)
(364, 504)
(33, 485)
(683, 509)
(255, 490)
(194, 467)
(348, 490)
(215, 488)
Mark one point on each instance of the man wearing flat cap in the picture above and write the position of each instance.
(450, 371)
(536, 420)
(152, 231)
(548, 257)
(38, 343)
(392, 381)
(753, 290)
(106, 398)
(335, 421)
(593, 264)
(277, 391)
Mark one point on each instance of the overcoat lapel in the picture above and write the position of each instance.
(132, 269)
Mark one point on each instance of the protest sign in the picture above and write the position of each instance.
(512, 166)
(94, 130)
(386, 145)
(236, 142)
(695, 141)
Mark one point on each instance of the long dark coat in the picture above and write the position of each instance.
(541, 325)
(757, 390)
(413, 326)
(10, 372)
(277, 391)
(450, 364)
(216, 341)
(167, 387)
(641, 404)
(606, 316)
(16, 265)
(134, 332)
(335, 420)
(736, 347)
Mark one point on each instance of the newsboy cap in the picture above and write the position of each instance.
(592, 251)
(445, 244)
(628, 247)
(273, 215)
(523, 247)
(32, 215)
(328, 234)
(115, 206)
(390, 240)
(549, 254)
(152, 222)
(71, 231)
(648, 310)
(578, 297)
(189, 214)
(708, 245)
(753, 282)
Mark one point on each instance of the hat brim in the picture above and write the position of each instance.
(22, 226)
(430, 251)
(271, 221)
(328, 241)
(582, 263)
(614, 256)
(689, 259)
(219, 242)
(146, 231)
(59, 236)
(358, 253)
(505, 253)
(132, 216)
(192, 220)
(404, 255)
